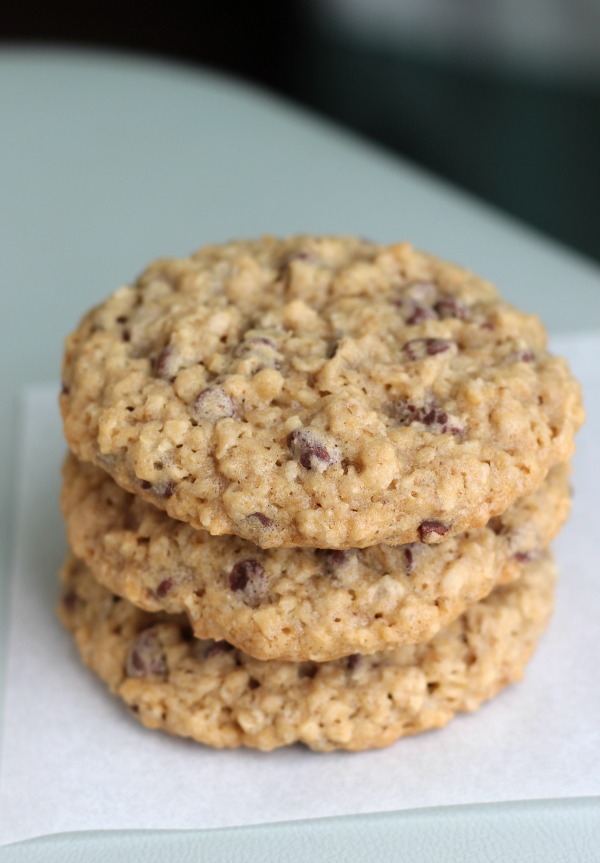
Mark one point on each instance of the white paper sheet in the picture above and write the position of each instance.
(73, 759)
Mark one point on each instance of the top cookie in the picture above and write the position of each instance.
(324, 392)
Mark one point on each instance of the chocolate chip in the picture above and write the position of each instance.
(419, 313)
(146, 657)
(451, 307)
(525, 355)
(418, 349)
(166, 490)
(253, 683)
(338, 557)
(431, 528)
(264, 520)
(126, 335)
(496, 525)
(65, 390)
(217, 647)
(69, 600)
(301, 255)
(213, 404)
(310, 451)
(308, 669)
(435, 417)
(164, 587)
(431, 415)
(410, 551)
(122, 319)
(165, 365)
(334, 558)
(352, 661)
(249, 578)
(163, 489)
(524, 556)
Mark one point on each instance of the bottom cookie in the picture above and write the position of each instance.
(222, 697)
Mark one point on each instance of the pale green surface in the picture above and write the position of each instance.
(106, 163)
(552, 832)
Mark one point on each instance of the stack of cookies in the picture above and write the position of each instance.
(310, 492)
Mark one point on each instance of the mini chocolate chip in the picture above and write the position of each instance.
(333, 558)
(218, 647)
(146, 657)
(308, 669)
(163, 489)
(451, 307)
(431, 528)
(69, 600)
(122, 319)
(287, 262)
(126, 335)
(167, 489)
(430, 415)
(525, 355)
(253, 683)
(165, 365)
(432, 686)
(352, 661)
(213, 404)
(65, 390)
(524, 556)
(164, 587)
(310, 451)
(419, 313)
(338, 557)
(249, 578)
(409, 559)
(418, 349)
(436, 417)
(264, 520)
(496, 525)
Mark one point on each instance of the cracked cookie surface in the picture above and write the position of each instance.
(222, 697)
(298, 604)
(321, 392)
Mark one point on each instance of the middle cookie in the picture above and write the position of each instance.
(299, 604)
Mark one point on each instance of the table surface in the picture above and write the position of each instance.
(107, 162)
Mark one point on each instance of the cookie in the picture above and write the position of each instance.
(298, 604)
(222, 697)
(319, 392)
